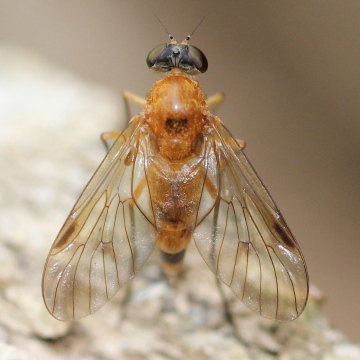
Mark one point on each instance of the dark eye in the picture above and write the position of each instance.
(154, 55)
(198, 58)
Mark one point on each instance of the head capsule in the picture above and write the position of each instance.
(186, 57)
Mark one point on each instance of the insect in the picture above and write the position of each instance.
(175, 174)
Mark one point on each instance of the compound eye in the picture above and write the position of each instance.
(154, 55)
(198, 58)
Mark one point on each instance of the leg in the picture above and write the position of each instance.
(214, 101)
(134, 98)
(124, 302)
(113, 135)
(106, 137)
(227, 311)
(130, 97)
(242, 143)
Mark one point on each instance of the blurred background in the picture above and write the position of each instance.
(291, 74)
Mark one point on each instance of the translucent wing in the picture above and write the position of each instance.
(243, 237)
(108, 235)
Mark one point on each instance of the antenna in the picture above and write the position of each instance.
(189, 36)
(170, 36)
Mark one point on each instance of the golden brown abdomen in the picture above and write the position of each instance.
(175, 193)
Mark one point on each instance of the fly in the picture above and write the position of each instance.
(175, 174)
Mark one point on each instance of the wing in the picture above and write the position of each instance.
(108, 235)
(242, 235)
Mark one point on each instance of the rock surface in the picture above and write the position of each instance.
(49, 145)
